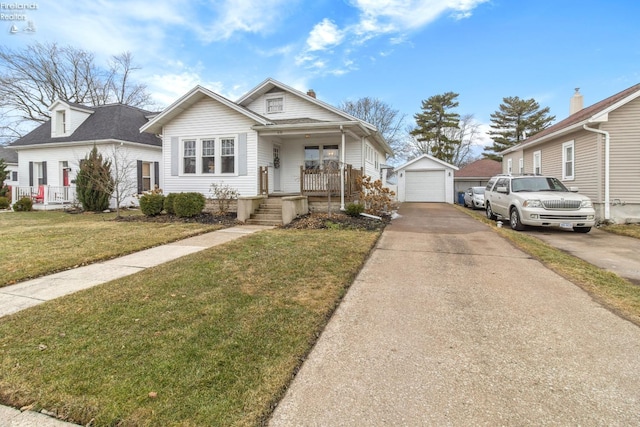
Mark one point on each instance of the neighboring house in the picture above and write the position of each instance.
(275, 140)
(476, 174)
(50, 155)
(595, 149)
(10, 158)
(425, 179)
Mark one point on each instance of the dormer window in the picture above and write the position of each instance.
(275, 104)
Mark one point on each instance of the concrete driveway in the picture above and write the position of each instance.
(448, 324)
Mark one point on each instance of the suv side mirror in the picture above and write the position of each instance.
(573, 189)
(503, 190)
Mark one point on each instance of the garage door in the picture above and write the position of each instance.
(425, 186)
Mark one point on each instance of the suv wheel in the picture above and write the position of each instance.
(514, 220)
(490, 213)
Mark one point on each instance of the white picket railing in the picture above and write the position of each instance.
(44, 194)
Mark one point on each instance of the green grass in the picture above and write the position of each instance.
(612, 291)
(629, 230)
(217, 335)
(39, 242)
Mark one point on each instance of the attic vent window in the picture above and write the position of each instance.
(275, 104)
(62, 123)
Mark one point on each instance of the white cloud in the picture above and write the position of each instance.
(248, 16)
(324, 35)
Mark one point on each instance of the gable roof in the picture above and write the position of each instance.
(594, 113)
(480, 169)
(426, 156)
(8, 155)
(270, 84)
(189, 99)
(114, 121)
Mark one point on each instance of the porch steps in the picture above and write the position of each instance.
(268, 213)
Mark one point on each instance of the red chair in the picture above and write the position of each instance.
(39, 198)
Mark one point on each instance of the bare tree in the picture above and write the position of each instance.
(123, 171)
(33, 78)
(390, 122)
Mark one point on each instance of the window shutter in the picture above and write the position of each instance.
(242, 154)
(175, 156)
(156, 174)
(139, 170)
(44, 173)
(30, 174)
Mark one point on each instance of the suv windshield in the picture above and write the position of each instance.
(537, 183)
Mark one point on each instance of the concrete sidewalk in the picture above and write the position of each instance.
(448, 324)
(33, 292)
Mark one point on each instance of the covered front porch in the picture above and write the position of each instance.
(45, 197)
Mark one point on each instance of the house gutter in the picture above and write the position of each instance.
(607, 205)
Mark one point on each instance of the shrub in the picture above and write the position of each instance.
(377, 200)
(187, 205)
(151, 204)
(354, 209)
(23, 205)
(4, 203)
(224, 195)
(168, 203)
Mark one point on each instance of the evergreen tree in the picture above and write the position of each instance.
(433, 123)
(94, 183)
(4, 173)
(514, 122)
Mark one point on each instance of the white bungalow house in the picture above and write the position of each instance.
(273, 141)
(49, 156)
(10, 158)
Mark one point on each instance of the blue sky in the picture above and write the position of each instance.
(400, 51)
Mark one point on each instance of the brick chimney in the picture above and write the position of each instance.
(311, 93)
(576, 102)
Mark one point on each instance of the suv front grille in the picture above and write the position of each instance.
(562, 204)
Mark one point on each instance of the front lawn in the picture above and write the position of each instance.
(212, 339)
(41, 242)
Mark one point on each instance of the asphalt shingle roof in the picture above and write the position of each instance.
(480, 168)
(114, 121)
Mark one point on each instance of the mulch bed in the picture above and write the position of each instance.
(228, 219)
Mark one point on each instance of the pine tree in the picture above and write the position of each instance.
(514, 122)
(94, 183)
(432, 124)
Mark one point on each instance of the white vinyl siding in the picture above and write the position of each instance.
(568, 160)
(295, 107)
(208, 119)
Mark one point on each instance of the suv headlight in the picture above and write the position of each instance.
(532, 204)
(586, 204)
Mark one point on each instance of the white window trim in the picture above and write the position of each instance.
(217, 157)
(537, 155)
(274, 96)
(509, 166)
(521, 165)
(565, 160)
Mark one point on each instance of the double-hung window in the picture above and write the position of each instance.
(521, 166)
(325, 156)
(274, 104)
(227, 155)
(189, 157)
(537, 162)
(510, 166)
(209, 155)
(568, 163)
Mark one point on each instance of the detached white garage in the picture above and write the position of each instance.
(425, 179)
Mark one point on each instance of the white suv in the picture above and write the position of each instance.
(537, 200)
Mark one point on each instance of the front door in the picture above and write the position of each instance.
(276, 168)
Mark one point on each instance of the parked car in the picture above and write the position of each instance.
(474, 198)
(537, 200)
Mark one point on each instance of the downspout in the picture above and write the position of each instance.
(607, 205)
(342, 160)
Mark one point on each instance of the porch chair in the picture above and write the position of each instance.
(39, 197)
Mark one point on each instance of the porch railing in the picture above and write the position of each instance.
(324, 181)
(44, 194)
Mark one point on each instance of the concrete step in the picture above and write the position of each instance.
(266, 216)
(268, 222)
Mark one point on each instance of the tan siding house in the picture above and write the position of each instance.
(596, 149)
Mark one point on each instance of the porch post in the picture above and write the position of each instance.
(342, 160)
